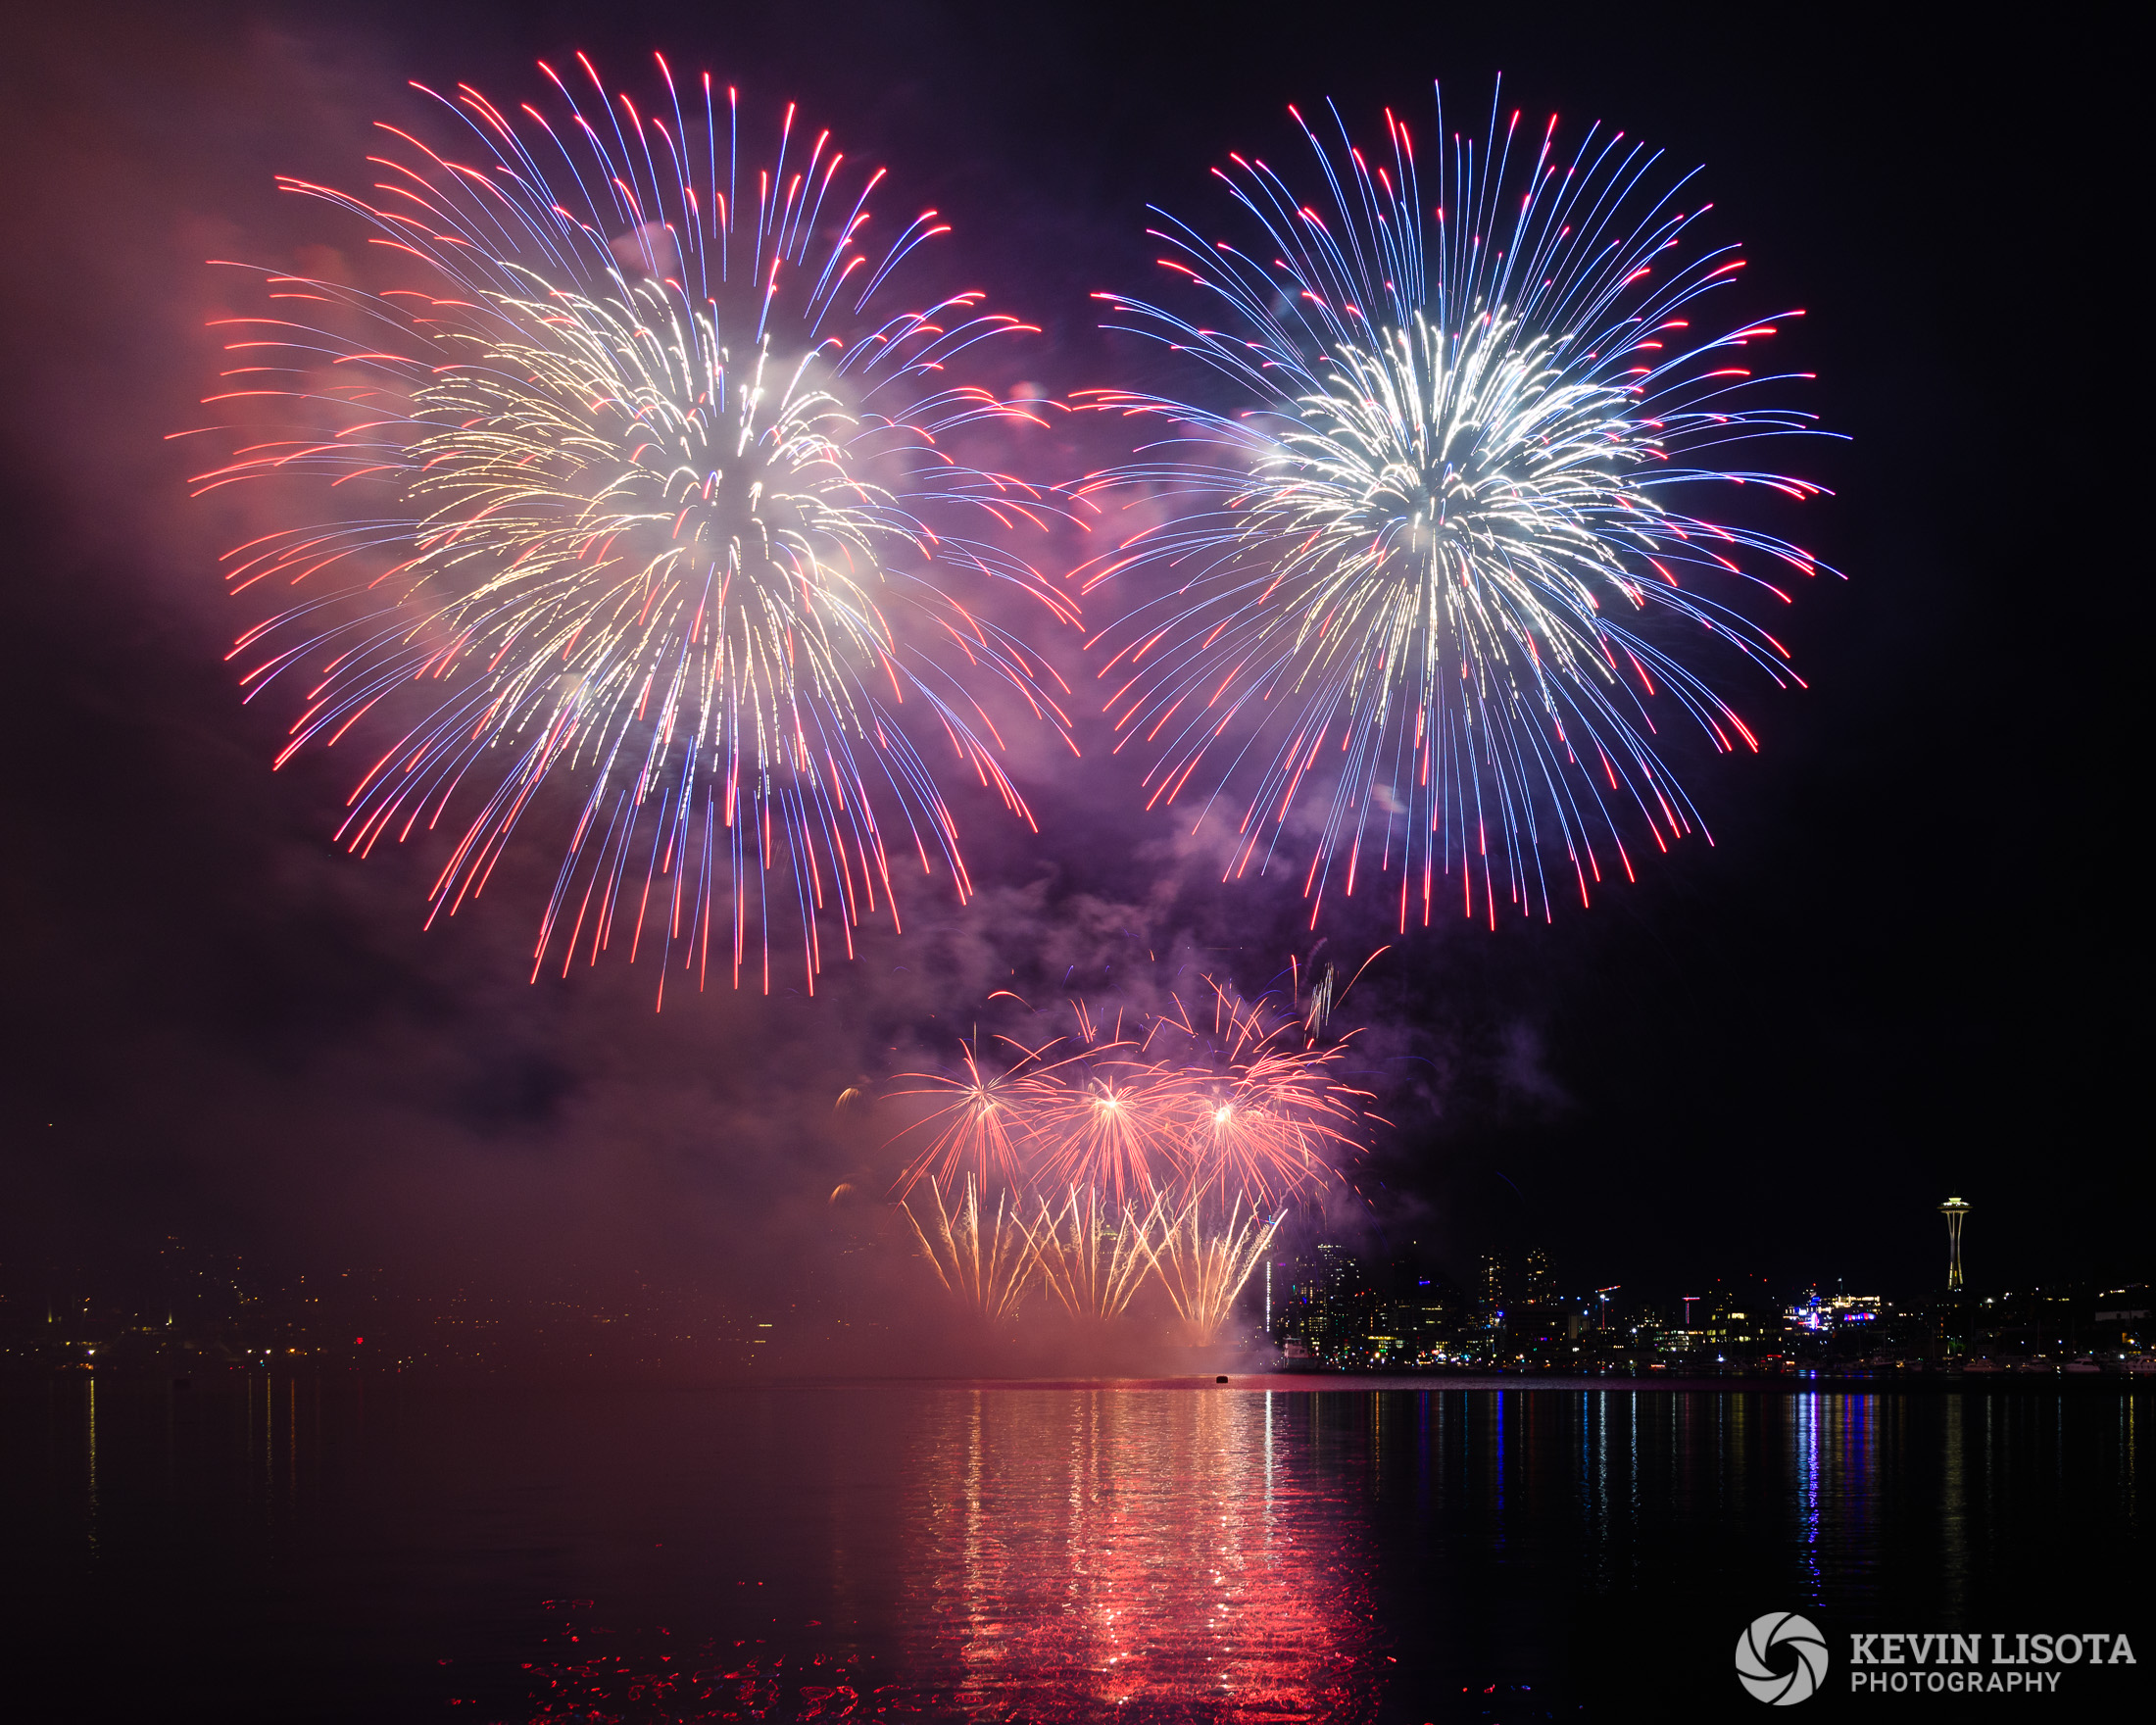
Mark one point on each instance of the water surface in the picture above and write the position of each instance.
(346, 1550)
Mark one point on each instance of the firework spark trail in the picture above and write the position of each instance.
(1204, 1269)
(1092, 1252)
(1401, 571)
(987, 1268)
(659, 504)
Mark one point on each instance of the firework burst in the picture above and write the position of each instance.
(639, 491)
(1259, 1105)
(986, 1117)
(1137, 1144)
(1428, 579)
(1114, 1127)
(1238, 1095)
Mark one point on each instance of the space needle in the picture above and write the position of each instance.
(1953, 1209)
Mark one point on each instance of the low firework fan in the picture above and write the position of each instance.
(1426, 579)
(637, 491)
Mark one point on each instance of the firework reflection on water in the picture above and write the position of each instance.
(1077, 1554)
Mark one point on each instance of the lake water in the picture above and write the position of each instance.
(346, 1550)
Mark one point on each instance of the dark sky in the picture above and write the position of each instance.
(1907, 966)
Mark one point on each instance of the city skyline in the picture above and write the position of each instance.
(1310, 1304)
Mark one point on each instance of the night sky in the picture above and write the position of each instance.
(1907, 966)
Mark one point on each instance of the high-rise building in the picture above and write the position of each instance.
(1493, 1288)
(1334, 1267)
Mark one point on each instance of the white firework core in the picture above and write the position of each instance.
(1413, 598)
(635, 494)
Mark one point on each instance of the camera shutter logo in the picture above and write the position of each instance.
(1790, 1633)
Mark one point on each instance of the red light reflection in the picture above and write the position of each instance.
(1074, 1551)
(1060, 1554)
